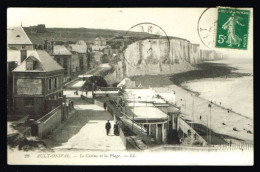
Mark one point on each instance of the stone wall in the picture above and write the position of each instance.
(49, 122)
(184, 127)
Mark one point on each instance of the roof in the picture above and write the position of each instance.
(100, 38)
(60, 50)
(15, 55)
(127, 83)
(170, 109)
(46, 62)
(79, 47)
(98, 47)
(147, 113)
(16, 35)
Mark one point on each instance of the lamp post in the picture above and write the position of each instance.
(133, 116)
(209, 123)
(207, 129)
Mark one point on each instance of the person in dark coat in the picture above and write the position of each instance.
(108, 126)
(116, 129)
(105, 106)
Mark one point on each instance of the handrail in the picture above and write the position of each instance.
(133, 121)
(50, 113)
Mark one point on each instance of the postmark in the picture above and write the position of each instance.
(232, 28)
(206, 27)
(150, 32)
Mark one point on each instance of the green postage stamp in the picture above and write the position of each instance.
(232, 28)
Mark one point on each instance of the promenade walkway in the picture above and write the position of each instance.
(222, 121)
(86, 129)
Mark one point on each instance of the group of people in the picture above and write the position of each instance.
(116, 128)
(76, 92)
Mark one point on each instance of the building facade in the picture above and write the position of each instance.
(79, 56)
(100, 41)
(63, 57)
(17, 39)
(35, 81)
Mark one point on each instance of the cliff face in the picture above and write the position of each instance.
(160, 56)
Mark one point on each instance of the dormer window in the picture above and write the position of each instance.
(29, 65)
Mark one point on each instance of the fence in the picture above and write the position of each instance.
(182, 148)
(89, 100)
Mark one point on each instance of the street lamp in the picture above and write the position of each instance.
(133, 116)
(210, 122)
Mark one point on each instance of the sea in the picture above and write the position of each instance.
(234, 93)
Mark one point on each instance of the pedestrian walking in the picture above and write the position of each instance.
(108, 126)
(105, 106)
(116, 129)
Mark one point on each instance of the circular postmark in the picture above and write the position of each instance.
(146, 36)
(207, 27)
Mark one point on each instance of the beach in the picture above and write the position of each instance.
(190, 100)
(233, 90)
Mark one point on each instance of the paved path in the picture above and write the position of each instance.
(85, 129)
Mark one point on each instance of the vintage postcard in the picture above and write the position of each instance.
(130, 86)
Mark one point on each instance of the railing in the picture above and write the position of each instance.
(141, 128)
(109, 88)
(244, 147)
(144, 130)
(87, 99)
(46, 117)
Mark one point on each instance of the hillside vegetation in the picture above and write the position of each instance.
(75, 34)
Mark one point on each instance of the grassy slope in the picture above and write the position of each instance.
(75, 34)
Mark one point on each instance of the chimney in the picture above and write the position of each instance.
(23, 55)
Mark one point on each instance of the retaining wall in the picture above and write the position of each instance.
(184, 127)
(49, 122)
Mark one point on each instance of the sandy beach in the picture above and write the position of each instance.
(222, 121)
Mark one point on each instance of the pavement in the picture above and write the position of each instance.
(85, 129)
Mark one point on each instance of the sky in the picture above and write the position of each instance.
(179, 22)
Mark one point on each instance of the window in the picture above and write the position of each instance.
(65, 65)
(29, 65)
(23, 46)
(28, 102)
(55, 83)
(49, 84)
